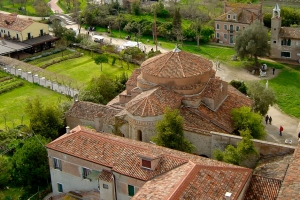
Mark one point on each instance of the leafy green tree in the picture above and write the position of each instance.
(44, 120)
(240, 85)
(101, 59)
(244, 119)
(5, 171)
(160, 10)
(262, 96)
(30, 163)
(235, 155)
(58, 29)
(252, 42)
(177, 28)
(100, 89)
(196, 26)
(135, 7)
(41, 8)
(206, 33)
(170, 132)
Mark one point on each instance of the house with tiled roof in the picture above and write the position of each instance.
(18, 34)
(119, 168)
(174, 79)
(285, 41)
(236, 17)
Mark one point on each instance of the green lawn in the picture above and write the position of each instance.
(286, 86)
(13, 193)
(13, 103)
(83, 69)
(41, 61)
(9, 6)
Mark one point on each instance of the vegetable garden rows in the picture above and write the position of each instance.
(8, 82)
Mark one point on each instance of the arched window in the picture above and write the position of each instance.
(139, 135)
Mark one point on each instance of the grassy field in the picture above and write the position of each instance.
(83, 69)
(13, 103)
(286, 86)
(9, 6)
(13, 193)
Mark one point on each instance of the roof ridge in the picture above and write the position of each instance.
(165, 62)
(181, 67)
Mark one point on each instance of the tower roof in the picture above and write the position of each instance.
(176, 64)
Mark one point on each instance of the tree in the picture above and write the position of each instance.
(58, 30)
(235, 155)
(177, 29)
(196, 26)
(30, 162)
(244, 119)
(61, 44)
(44, 120)
(100, 89)
(262, 97)
(170, 132)
(101, 59)
(240, 85)
(252, 42)
(5, 171)
(135, 7)
(41, 8)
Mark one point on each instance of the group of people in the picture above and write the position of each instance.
(268, 119)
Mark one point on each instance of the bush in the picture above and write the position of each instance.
(11, 87)
(240, 85)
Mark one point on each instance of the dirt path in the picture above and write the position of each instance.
(54, 7)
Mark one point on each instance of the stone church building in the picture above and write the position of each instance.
(176, 79)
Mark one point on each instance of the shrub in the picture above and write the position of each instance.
(11, 87)
(240, 85)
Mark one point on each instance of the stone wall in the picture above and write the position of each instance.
(35, 78)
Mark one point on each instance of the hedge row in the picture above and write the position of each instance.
(11, 87)
(44, 54)
(11, 80)
(75, 55)
(5, 78)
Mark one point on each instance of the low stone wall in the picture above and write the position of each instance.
(265, 149)
(35, 78)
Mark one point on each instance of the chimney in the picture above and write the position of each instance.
(227, 195)
(67, 129)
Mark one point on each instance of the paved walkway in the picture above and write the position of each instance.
(54, 7)
(291, 125)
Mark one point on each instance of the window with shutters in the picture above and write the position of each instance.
(131, 190)
(60, 187)
(57, 164)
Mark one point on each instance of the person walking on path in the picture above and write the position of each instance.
(299, 137)
(270, 120)
(267, 119)
(280, 130)
(273, 70)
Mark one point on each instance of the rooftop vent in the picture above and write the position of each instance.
(67, 129)
(227, 195)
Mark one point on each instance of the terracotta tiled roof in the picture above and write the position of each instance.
(262, 188)
(120, 155)
(194, 122)
(207, 182)
(12, 22)
(88, 110)
(176, 64)
(153, 102)
(290, 188)
(195, 181)
(222, 117)
(212, 87)
(132, 80)
(243, 16)
(106, 176)
(289, 32)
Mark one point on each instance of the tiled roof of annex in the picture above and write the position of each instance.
(106, 176)
(195, 181)
(132, 80)
(262, 188)
(153, 102)
(243, 16)
(12, 22)
(222, 116)
(176, 64)
(122, 154)
(290, 32)
(291, 183)
(212, 87)
(88, 110)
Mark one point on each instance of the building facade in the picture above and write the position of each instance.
(236, 17)
(285, 41)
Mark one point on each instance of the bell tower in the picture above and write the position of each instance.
(275, 27)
